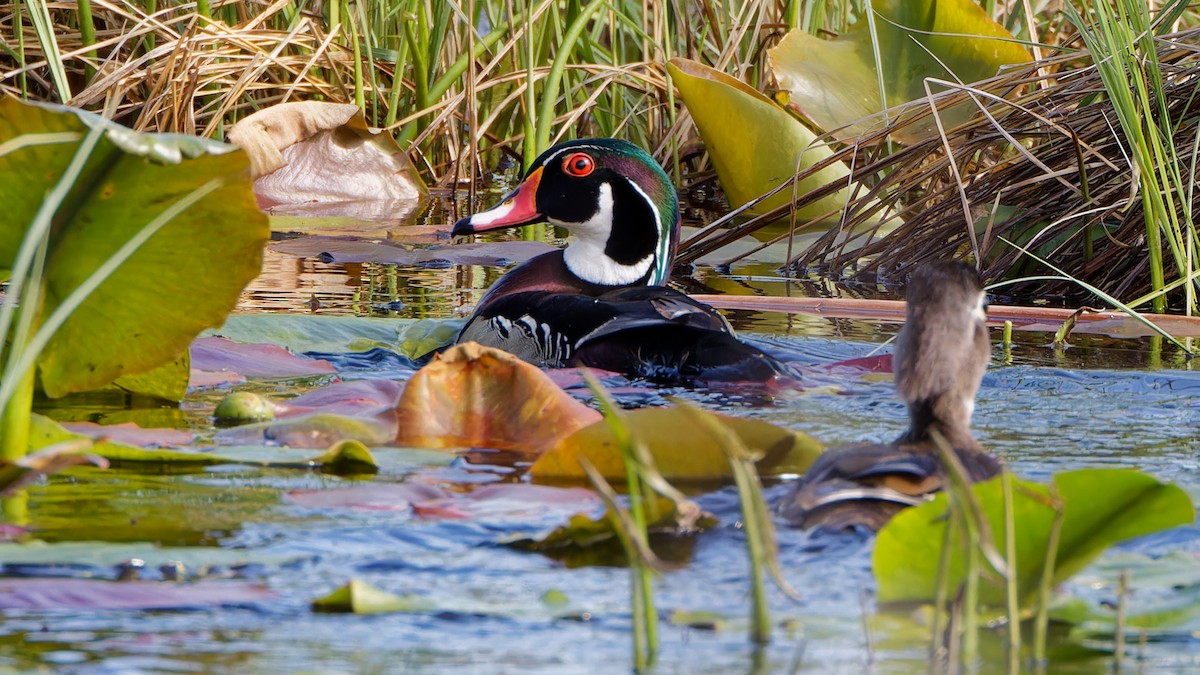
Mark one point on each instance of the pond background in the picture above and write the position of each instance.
(1102, 402)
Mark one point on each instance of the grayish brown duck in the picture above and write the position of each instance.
(941, 355)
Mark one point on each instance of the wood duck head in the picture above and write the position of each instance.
(611, 195)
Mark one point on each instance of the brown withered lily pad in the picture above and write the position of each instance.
(314, 151)
(475, 396)
(356, 250)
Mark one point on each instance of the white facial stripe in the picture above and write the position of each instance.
(661, 271)
(585, 255)
(492, 215)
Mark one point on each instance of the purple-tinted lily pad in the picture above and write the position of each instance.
(355, 250)
(76, 594)
(357, 398)
(502, 501)
(219, 355)
(132, 434)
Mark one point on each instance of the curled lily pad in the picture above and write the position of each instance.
(475, 396)
(308, 151)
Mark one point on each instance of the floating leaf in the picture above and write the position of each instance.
(148, 310)
(343, 453)
(359, 597)
(475, 396)
(1100, 508)
(755, 145)
(836, 82)
(306, 151)
(682, 451)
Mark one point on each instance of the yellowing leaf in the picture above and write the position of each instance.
(475, 396)
(681, 449)
(835, 83)
(755, 145)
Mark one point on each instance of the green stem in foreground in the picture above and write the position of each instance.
(760, 619)
(14, 420)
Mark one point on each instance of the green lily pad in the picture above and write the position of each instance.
(1100, 508)
(835, 83)
(682, 451)
(755, 144)
(185, 278)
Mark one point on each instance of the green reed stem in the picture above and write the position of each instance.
(1011, 579)
(545, 118)
(1045, 585)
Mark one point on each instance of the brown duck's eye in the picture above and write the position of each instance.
(579, 164)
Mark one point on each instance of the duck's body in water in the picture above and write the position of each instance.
(941, 355)
(602, 301)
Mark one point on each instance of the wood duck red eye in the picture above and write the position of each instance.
(579, 164)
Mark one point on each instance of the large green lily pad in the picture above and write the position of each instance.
(184, 279)
(1100, 508)
(835, 83)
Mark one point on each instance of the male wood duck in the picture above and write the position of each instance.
(602, 301)
(941, 355)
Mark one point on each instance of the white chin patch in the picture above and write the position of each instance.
(492, 215)
(979, 312)
(585, 255)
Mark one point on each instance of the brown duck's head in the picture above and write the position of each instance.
(942, 352)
